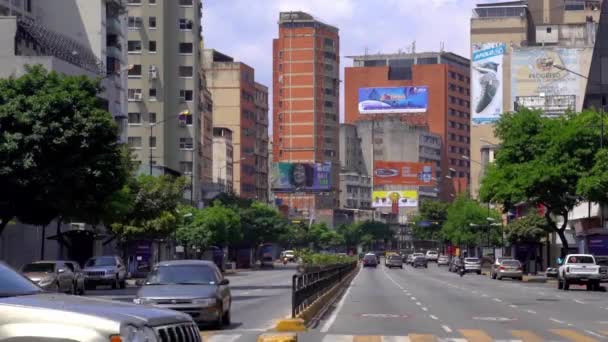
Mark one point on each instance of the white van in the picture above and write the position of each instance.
(432, 255)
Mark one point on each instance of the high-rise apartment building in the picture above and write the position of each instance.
(446, 76)
(75, 37)
(166, 113)
(306, 86)
(239, 104)
(355, 181)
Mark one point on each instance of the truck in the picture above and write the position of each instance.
(579, 269)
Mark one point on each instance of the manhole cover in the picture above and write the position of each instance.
(547, 300)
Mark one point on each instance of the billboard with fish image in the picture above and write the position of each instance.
(393, 100)
(487, 82)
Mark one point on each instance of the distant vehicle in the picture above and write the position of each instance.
(194, 287)
(105, 270)
(455, 264)
(432, 255)
(443, 260)
(289, 254)
(420, 261)
(602, 262)
(551, 272)
(53, 276)
(370, 260)
(394, 260)
(508, 268)
(495, 265)
(413, 256)
(579, 269)
(472, 265)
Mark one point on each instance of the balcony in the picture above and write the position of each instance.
(114, 52)
(113, 26)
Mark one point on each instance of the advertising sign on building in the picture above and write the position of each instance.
(294, 177)
(403, 173)
(487, 82)
(393, 100)
(546, 78)
(404, 198)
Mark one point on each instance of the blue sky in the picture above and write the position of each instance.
(244, 29)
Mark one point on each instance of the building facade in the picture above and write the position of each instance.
(165, 112)
(446, 76)
(306, 86)
(223, 159)
(355, 181)
(234, 93)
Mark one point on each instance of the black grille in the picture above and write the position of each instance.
(186, 332)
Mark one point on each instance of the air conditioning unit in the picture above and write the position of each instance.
(153, 72)
(137, 97)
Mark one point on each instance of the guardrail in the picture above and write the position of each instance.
(307, 287)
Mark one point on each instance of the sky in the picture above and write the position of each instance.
(244, 29)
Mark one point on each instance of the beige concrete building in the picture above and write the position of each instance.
(166, 111)
(239, 104)
(223, 152)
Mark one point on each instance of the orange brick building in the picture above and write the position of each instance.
(447, 78)
(306, 102)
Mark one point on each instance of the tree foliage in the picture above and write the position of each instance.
(430, 219)
(549, 162)
(60, 153)
(467, 223)
(528, 229)
(262, 223)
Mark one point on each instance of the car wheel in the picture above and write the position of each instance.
(220, 319)
(226, 318)
(401, 267)
(115, 284)
(493, 276)
(520, 278)
(81, 291)
(426, 266)
(498, 278)
(89, 286)
(590, 286)
(123, 284)
(57, 288)
(478, 272)
(560, 284)
(73, 289)
(566, 285)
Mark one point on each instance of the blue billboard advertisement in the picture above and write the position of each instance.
(304, 177)
(393, 100)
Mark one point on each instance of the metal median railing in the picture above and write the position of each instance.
(307, 287)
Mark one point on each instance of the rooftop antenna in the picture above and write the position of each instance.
(366, 50)
(414, 47)
(441, 47)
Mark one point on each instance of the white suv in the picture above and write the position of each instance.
(432, 255)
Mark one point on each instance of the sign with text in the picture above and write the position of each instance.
(403, 199)
(486, 82)
(404, 173)
(393, 100)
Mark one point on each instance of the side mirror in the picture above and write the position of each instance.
(61, 270)
(224, 282)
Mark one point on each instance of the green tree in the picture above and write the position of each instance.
(528, 229)
(223, 224)
(262, 223)
(467, 223)
(377, 230)
(430, 218)
(549, 162)
(323, 237)
(59, 149)
(351, 234)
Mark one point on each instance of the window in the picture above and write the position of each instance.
(152, 46)
(134, 46)
(186, 95)
(134, 94)
(152, 142)
(185, 167)
(329, 104)
(185, 2)
(152, 118)
(134, 23)
(152, 22)
(152, 2)
(134, 142)
(186, 143)
(135, 70)
(152, 93)
(185, 71)
(328, 42)
(185, 48)
(135, 118)
(134, 2)
(185, 24)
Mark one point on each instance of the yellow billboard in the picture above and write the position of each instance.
(385, 199)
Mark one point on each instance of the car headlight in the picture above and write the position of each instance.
(142, 301)
(45, 281)
(205, 301)
(130, 333)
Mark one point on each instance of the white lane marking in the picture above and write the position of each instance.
(497, 300)
(246, 293)
(484, 295)
(413, 298)
(513, 306)
(531, 311)
(256, 290)
(338, 338)
(594, 333)
(434, 317)
(418, 303)
(446, 329)
(579, 301)
(223, 338)
(556, 320)
(334, 314)
(425, 309)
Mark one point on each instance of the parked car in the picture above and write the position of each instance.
(394, 261)
(28, 313)
(579, 269)
(472, 265)
(105, 270)
(413, 256)
(420, 261)
(496, 265)
(53, 276)
(79, 281)
(194, 287)
(432, 255)
(508, 268)
(443, 260)
(370, 260)
(551, 272)
(289, 254)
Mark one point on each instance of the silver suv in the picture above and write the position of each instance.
(105, 270)
(27, 313)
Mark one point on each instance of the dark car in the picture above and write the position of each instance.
(455, 264)
(420, 261)
(370, 260)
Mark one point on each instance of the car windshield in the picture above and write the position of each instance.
(395, 257)
(511, 263)
(471, 260)
(183, 275)
(40, 267)
(581, 259)
(14, 284)
(101, 261)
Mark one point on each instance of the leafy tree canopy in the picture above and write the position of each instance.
(467, 223)
(527, 229)
(430, 219)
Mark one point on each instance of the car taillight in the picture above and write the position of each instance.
(567, 269)
(519, 268)
(502, 268)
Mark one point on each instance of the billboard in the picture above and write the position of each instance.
(291, 177)
(487, 82)
(393, 100)
(404, 198)
(404, 173)
(539, 79)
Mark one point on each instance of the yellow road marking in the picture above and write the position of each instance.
(475, 335)
(573, 335)
(367, 339)
(526, 336)
(422, 338)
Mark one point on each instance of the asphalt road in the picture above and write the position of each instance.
(433, 304)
